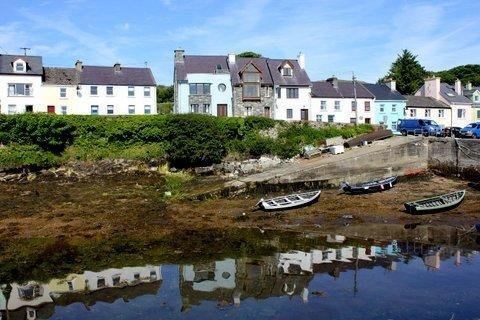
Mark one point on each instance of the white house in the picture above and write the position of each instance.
(20, 83)
(128, 276)
(342, 101)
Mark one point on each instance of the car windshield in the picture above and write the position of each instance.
(431, 123)
(471, 125)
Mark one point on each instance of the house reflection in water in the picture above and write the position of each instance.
(35, 300)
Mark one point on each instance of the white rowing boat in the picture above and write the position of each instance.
(289, 201)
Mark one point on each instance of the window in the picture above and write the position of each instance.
(323, 104)
(353, 120)
(136, 276)
(319, 118)
(109, 91)
(200, 88)
(292, 93)
(394, 108)
(93, 90)
(131, 91)
(110, 109)
(70, 285)
(116, 280)
(12, 109)
(29, 108)
(266, 112)
(94, 110)
(146, 91)
(367, 105)
(461, 113)
(476, 98)
(382, 108)
(413, 113)
(394, 125)
(287, 72)
(478, 114)
(279, 92)
(289, 113)
(20, 89)
(251, 82)
(153, 275)
(206, 108)
(251, 91)
(63, 92)
(331, 118)
(222, 87)
(194, 108)
(147, 109)
(427, 113)
(354, 106)
(367, 120)
(131, 109)
(63, 110)
(100, 282)
(337, 105)
(248, 111)
(441, 113)
(19, 67)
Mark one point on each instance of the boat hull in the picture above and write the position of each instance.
(436, 204)
(266, 205)
(370, 187)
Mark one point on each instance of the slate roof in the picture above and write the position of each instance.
(299, 76)
(321, 89)
(383, 92)
(260, 63)
(425, 102)
(448, 92)
(95, 75)
(34, 64)
(61, 76)
(199, 64)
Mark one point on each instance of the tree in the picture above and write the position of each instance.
(407, 72)
(249, 54)
(466, 73)
(164, 94)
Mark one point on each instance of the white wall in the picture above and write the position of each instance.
(20, 101)
(127, 276)
(296, 104)
(444, 121)
(120, 100)
(345, 113)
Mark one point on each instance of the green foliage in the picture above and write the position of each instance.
(259, 123)
(408, 73)
(249, 54)
(164, 94)
(256, 145)
(165, 108)
(466, 73)
(16, 156)
(195, 140)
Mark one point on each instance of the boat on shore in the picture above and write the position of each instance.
(369, 186)
(436, 204)
(290, 201)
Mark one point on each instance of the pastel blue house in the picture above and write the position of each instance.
(389, 104)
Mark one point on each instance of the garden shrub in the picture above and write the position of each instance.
(16, 156)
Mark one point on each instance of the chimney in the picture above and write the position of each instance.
(231, 58)
(432, 88)
(179, 55)
(469, 86)
(458, 87)
(116, 67)
(392, 84)
(79, 65)
(333, 81)
(301, 60)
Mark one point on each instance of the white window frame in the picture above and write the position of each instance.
(12, 109)
(319, 118)
(146, 91)
(287, 71)
(63, 110)
(394, 108)
(248, 111)
(147, 107)
(63, 92)
(110, 109)
(441, 113)
(382, 108)
(13, 90)
(22, 63)
(94, 107)
(131, 91)
(323, 105)
(130, 108)
(413, 113)
(289, 113)
(337, 106)
(94, 90)
(461, 113)
(106, 91)
(428, 113)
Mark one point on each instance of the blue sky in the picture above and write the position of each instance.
(338, 37)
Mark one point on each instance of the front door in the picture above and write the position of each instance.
(304, 114)
(28, 108)
(367, 120)
(266, 112)
(51, 109)
(221, 110)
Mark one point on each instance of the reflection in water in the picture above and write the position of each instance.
(225, 283)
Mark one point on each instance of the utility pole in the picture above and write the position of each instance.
(355, 97)
(25, 50)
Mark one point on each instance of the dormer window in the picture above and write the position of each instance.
(19, 66)
(251, 77)
(287, 72)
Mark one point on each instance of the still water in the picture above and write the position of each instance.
(394, 280)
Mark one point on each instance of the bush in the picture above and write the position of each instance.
(253, 123)
(257, 145)
(26, 156)
(194, 140)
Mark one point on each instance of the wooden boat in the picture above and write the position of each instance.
(289, 201)
(436, 204)
(474, 185)
(370, 186)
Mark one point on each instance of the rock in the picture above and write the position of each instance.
(208, 170)
(173, 169)
(347, 216)
(168, 193)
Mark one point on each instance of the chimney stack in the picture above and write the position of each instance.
(469, 86)
(301, 60)
(179, 55)
(333, 81)
(116, 67)
(392, 84)
(458, 87)
(432, 88)
(79, 65)
(231, 58)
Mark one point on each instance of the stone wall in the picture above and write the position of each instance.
(199, 99)
(266, 100)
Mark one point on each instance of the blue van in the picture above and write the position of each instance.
(419, 126)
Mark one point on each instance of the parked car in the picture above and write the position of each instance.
(452, 132)
(419, 126)
(471, 131)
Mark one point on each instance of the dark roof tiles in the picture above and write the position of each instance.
(383, 92)
(241, 63)
(299, 76)
(93, 75)
(448, 92)
(34, 64)
(345, 89)
(200, 64)
(61, 76)
(425, 102)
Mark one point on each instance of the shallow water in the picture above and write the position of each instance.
(395, 280)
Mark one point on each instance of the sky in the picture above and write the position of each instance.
(338, 37)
